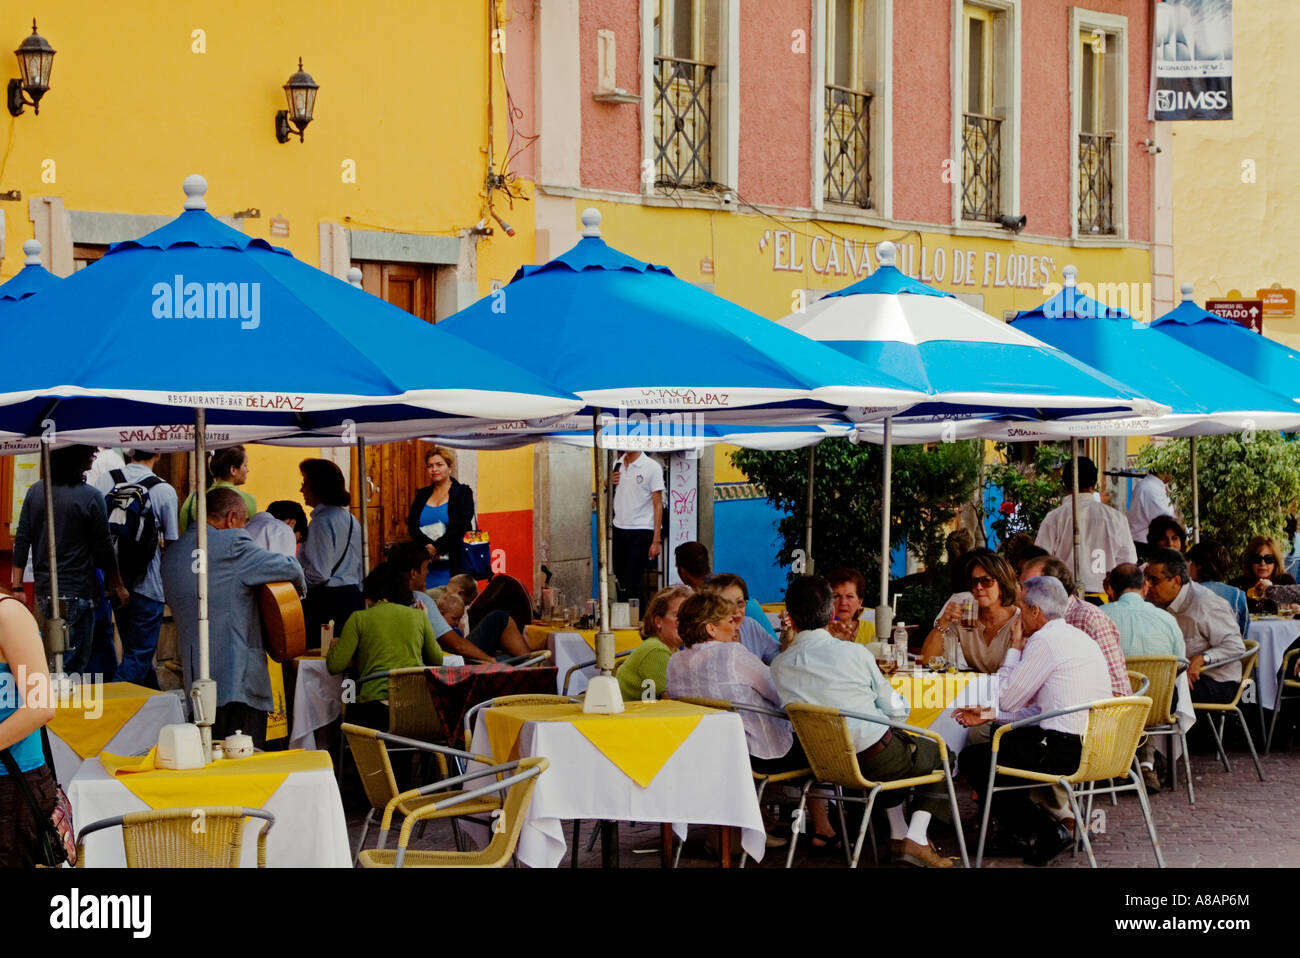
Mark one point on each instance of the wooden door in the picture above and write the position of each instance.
(395, 469)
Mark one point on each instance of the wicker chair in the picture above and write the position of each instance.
(618, 657)
(1162, 672)
(167, 837)
(370, 752)
(763, 779)
(1248, 660)
(824, 734)
(1109, 745)
(505, 828)
(1287, 681)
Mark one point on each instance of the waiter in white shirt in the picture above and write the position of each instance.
(1103, 532)
(1051, 665)
(1150, 499)
(638, 512)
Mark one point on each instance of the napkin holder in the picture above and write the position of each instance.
(618, 615)
(180, 747)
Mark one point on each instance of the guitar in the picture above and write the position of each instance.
(284, 630)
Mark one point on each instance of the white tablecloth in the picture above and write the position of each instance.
(1185, 714)
(310, 830)
(980, 691)
(317, 701)
(135, 737)
(707, 781)
(1274, 637)
(567, 650)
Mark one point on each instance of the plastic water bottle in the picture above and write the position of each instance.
(900, 645)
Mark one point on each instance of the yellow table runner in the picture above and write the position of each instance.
(640, 741)
(277, 720)
(625, 640)
(929, 694)
(87, 720)
(249, 782)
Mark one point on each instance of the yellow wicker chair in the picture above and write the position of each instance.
(1248, 660)
(1109, 745)
(370, 753)
(1288, 681)
(168, 838)
(519, 792)
(1162, 672)
(826, 741)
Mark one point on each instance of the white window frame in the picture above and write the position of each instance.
(725, 96)
(1116, 27)
(882, 110)
(1008, 30)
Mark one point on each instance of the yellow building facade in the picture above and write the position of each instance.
(391, 174)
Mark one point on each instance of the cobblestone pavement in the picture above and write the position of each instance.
(1237, 821)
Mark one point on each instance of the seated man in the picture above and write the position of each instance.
(1086, 617)
(412, 560)
(236, 568)
(1206, 621)
(1143, 630)
(821, 670)
(1051, 665)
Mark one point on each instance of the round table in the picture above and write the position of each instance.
(1274, 635)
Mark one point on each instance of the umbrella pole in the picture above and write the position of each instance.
(365, 506)
(1196, 494)
(885, 614)
(808, 518)
(203, 693)
(56, 629)
(1074, 506)
(603, 693)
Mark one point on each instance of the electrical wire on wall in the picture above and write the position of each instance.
(501, 179)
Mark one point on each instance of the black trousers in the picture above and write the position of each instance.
(631, 560)
(240, 717)
(326, 603)
(1031, 748)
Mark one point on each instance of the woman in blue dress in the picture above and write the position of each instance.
(440, 515)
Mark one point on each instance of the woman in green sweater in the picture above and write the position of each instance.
(649, 661)
(387, 634)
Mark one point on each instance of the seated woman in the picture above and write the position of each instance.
(1207, 563)
(387, 634)
(1166, 532)
(852, 622)
(660, 639)
(713, 664)
(1262, 565)
(983, 646)
(412, 560)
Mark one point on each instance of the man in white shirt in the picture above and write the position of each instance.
(1051, 665)
(638, 510)
(1150, 499)
(819, 669)
(280, 528)
(140, 619)
(1103, 531)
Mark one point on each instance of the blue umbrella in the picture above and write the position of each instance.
(31, 279)
(1205, 396)
(270, 345)
(679, 349)
(1270, 363)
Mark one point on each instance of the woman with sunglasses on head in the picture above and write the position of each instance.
(982, 646)
(1262, 569)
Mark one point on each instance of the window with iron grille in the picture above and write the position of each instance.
(683, 120)
(981, 130)
(1096, 146)
(847, 121)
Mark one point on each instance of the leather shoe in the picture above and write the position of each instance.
(1004, 844)
(923, 856)
(1050, 842)
(1151, 780)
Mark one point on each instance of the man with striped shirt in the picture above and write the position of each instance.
(1051, 665)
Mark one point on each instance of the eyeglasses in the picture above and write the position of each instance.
(1156, 579)
(982, 582)
(1263, 559)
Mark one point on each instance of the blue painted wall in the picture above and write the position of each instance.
(745, 542)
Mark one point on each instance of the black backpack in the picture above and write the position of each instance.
(132, 525)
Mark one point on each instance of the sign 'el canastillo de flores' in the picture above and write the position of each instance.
(1191, 63)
